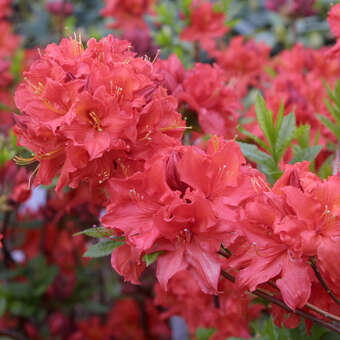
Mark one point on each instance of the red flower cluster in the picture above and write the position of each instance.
(8, 44)
(92, 114)
(60, 8)
(5, 8)
(333, 20)
(184, 214)
(295, 222)
(217, 109)
(243, 63)
(229, 315)
(205, 24)
(293, 8)
(298, 81)
(128, 14)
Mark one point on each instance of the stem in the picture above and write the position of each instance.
(323, 283)
(312, 307)
(216, 301)
(197, 51)
(143, 317)
(7, 254)
(261, 293)
(265, 295)
(323, 313)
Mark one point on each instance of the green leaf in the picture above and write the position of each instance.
(285, 136)
(4, 107)
(325, 169)
(204, 333)
(279, 118)
(103, 248)
(96, 232)
(334, 110)
(302, 136)
(253, 153)
(254, 138)
(49, 275)
(306, 154)
(299, 332)
(270, 71)
(265, 163)
(17, 64)
(330, 125)
(151, 258)
(265, 119)
(232, 23)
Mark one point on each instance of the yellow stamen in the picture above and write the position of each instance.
(95, 121)
(41, 156)
(24, 161)
(174, 127)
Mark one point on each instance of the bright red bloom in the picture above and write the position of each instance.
(334, 20)
(124, 321)
(5, 8)
(205, 23)
(13, 183)
(128, 14)
(6, 116)
(298, 82)
(8, 44)
(206, 91)
(173, 73)
(287, 226)
(317, 224)
(60, 8)
(243, 63)
(184, 298)
(94, 113)
(293, 8)
(184, 214)
(272, 254)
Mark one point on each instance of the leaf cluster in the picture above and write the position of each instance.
(278, 135)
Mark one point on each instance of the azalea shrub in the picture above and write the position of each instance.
(170, 170)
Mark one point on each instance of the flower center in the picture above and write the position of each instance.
(95, 121)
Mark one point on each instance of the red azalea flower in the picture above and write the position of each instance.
(243, 63)
(60, 7)
(316, 222)
(9, 42)
(205, 90)
(271, 254)
(124, 321)
(90, 114)
(293, 8)
(128, 13)
(5, 8)
(298, 83)
(184, 298)
(205, 23)
(6, 116)
(334, 19)
(173, 73)
(184, 214)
